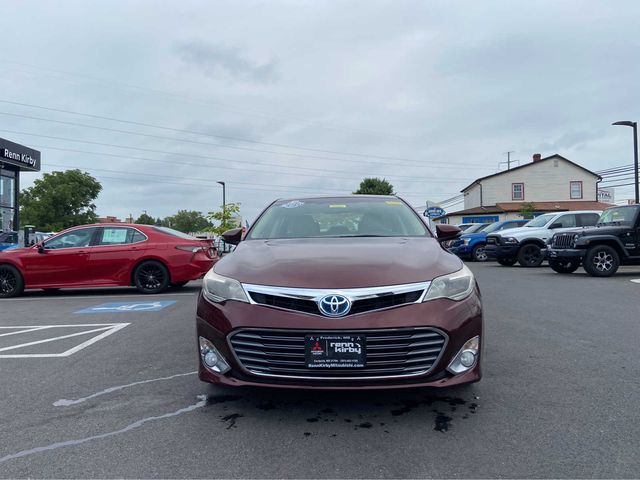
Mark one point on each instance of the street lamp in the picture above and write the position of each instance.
(224, 203)
(633, 125)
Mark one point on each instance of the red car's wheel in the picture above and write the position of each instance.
(151, 277)
(11, 282)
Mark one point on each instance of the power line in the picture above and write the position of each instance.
(231, 167)
(187, 99)
(192, 132)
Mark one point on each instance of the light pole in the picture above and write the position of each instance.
(224, 204)
(634, 125)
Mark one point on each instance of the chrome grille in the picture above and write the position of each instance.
(362, 299)
(390, 353)
(563, 240)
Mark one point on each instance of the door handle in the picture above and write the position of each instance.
(82, 251)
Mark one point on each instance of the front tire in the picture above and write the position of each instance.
(530, 255)
(563, 266)
(151, 277)
(11, 282)
(479, 254)
(507, 262)
(601, 261)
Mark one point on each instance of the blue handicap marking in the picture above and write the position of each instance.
(126, 307)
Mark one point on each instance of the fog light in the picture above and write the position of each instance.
(212, 358)
(466, 358)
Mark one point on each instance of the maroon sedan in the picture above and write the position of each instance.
(340, 293)
(148, 257)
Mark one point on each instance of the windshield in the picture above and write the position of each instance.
(493, 227)
(338, 217)
(540, 221)
(619, 216)
(476, 228)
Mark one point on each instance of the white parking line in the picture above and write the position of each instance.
(635, 280)
(106, 329)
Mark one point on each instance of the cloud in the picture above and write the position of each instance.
(221, 61)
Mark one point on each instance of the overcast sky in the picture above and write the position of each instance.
(292, 98)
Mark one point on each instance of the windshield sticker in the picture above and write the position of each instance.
(293, 204)
(337, 206)
(393, 203)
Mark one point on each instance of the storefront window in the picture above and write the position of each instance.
(7, 201)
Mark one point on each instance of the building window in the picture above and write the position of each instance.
(517, 191)
(576, 190)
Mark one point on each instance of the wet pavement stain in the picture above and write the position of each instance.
(366, 425)
(443, 422)
(232, 419)
(217, 399)
(313, 420)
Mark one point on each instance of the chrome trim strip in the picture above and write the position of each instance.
(353, 294)
(345, 331)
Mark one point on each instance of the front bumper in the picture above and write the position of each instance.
(566, 253)
(461, 250)
(496, 252)
(459, 321)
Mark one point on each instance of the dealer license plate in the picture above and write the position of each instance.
(335, 351)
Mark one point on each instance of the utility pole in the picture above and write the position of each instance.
(633, 125)
(509, 161)
(224, 203)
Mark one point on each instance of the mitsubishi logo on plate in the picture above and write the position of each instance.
(334, 305)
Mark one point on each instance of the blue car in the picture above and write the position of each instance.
(471, 245)
(8, 239)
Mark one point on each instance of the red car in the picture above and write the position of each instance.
(340, 293)
(151, 258)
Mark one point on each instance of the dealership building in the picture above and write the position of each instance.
(14, 159)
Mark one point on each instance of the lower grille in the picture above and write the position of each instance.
(390, 353)
(563, 240)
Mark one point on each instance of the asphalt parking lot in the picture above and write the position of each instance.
(103, 384)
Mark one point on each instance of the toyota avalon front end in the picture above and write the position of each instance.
(340, 293)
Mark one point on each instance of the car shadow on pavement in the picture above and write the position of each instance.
(328, 413)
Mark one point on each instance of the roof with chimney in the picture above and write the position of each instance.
(536, 161)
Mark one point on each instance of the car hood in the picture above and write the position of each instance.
(473, 236)
(606, 230)
(338, 262)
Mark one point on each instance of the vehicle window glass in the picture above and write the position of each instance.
(138, 237)
(74, 239)
(567, 221)
(587, 219)
(115, 236)
(494, 227)
(338, 217)
(540, 221)
(619, 216)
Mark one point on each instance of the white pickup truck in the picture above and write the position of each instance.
(527, 245)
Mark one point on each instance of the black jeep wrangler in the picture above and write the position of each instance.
(614, 241)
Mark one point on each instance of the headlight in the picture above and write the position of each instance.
(575, 240)
(455, 286)
(217, 288)
(510, 241)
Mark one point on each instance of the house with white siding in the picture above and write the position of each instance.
(551, 184)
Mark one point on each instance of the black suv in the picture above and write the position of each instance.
(614, 241)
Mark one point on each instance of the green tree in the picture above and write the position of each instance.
(374, 186)
(145, 219)
(527, 210)
(60, 200)
(188, 221)
(226, 218)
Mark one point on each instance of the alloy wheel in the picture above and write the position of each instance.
(480, 254)
(603, 261)
(151, 277)
(8, 281)
(531, 254)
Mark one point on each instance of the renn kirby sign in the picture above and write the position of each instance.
(23, 157)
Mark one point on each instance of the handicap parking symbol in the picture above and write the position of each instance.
(128, 307)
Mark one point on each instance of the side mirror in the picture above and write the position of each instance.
(233, 236)
(555, 225)
(447, 232)
(40, 248)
